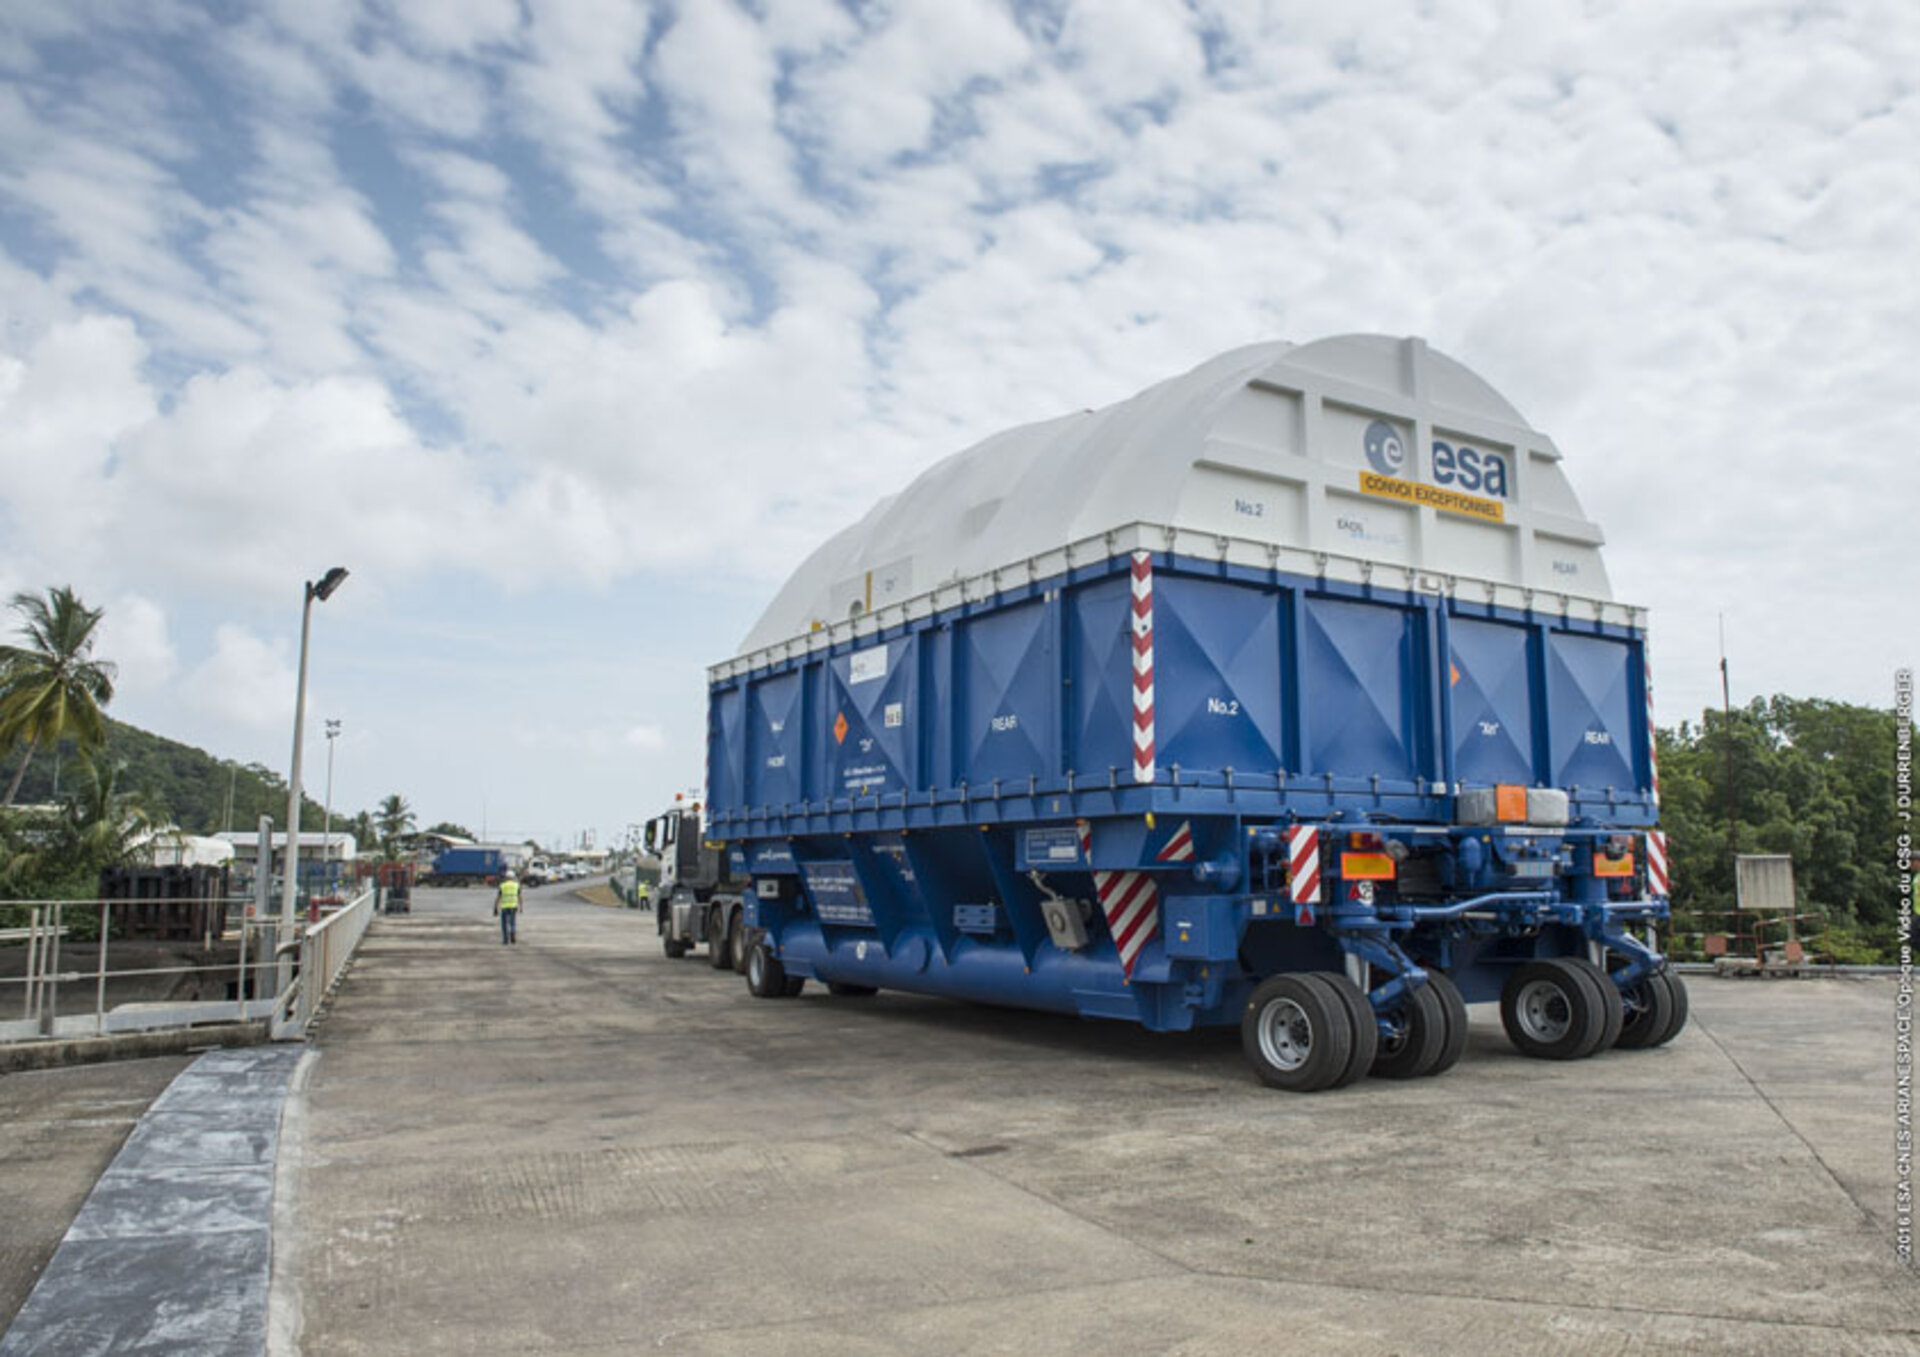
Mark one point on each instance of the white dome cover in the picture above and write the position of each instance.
(1298, 445)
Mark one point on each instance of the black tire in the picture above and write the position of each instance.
(1681, 1007)
(737, 940)
(793, 987)
(1297, 1035)
(1366, 1030)
(1551, 1011)
(1607, 994)
(719, 948)
(840, 989)
(1455, 1008)
(1649, 1012)
(1419, 1038)
(766, 977)
(674, 947)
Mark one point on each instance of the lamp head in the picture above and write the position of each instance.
(328, 583)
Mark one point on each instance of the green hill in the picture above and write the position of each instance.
(175, 782)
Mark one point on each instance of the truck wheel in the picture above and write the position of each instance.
(1418, 1039)
(1681, 1006)
(1455, 1007)
(793, 987)
(1612, 1009)
(719, 948)
(1366, 1028)
(766, 977)
(1296, 1035)
(674, 947)
(1551, 1011)
(737, 940)
(843, 990)
(1648, 1012)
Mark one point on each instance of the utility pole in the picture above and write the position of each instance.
(1726, 712)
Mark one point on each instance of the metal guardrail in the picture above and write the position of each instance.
(325, 950)
(52, 951)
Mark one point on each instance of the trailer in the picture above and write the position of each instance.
(470, 865)
(1289, 694)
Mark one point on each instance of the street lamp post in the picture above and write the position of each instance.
(323, 590)
(326, 836)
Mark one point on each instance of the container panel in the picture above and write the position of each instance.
(870, 726)
(1008, 706)
(1101, 712)
(1492, 677)
(775, 741)
(726, 745)
(1592, 704)
(1216, 664)
(1360, 689)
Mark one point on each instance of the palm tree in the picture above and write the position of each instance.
(394, 818)
(52, 687)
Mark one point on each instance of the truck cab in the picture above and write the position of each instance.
(697, 899)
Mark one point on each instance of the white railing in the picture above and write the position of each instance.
(60, 962)
(325, 950)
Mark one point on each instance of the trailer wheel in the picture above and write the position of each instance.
(1455, 1007)
(1649, 1011)
(674, 947)
(1366, 1027)
(1612, 1009)
(1418, 1038)
(791, 990)
(1296, 1035)
(719, 948)
(1681, 1006)
(1551, 1011)
(737, 940)
(766, 977)
(843, 990)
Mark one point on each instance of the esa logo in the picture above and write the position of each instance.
(1384, 449)
(1469, 468)
(1457, 466)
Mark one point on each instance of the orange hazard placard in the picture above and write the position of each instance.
(1366, 866)
(1606, 866)
(840, 728)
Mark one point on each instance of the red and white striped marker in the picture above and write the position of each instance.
(1180, 847)
(1653, 731)
(1131, 903)
(1143, 769)
(1303, 865)
(1657, 864)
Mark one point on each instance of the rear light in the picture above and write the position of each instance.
(1612, 866)
(1367, 866)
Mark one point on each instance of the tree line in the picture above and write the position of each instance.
(108, 782)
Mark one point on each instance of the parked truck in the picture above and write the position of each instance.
(469, 865)
(699, 898)
(1290, 693)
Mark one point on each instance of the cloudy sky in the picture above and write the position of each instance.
(571, 326)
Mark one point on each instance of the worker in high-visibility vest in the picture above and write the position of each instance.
(506, 903)
(644, 890)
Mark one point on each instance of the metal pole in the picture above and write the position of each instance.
(326, 836)
(263, 904)
(33, 962)
(100, 987)
(290, 884)
(50, 989)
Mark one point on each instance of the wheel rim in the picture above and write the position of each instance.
(755, 969)
(1286, 1034)
(1544, 1011)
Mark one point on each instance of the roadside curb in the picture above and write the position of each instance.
(43, 1055)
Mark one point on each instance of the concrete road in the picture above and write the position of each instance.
(576, 1145)
(59, 1129)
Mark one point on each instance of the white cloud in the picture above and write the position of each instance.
(247, 679)
(648, 739)
(133, 636)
